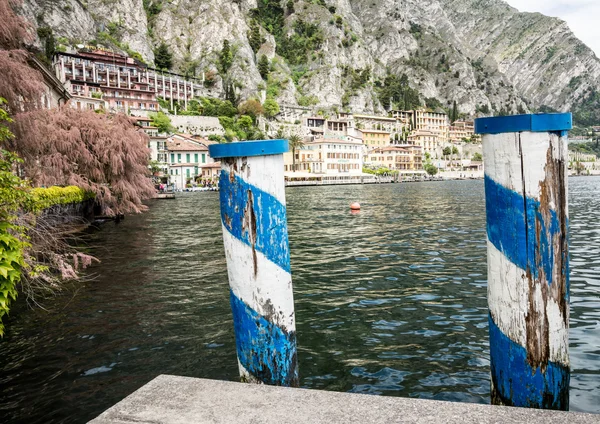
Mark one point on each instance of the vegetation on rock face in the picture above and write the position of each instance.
(225, 58)
(240, 128)
(252, 108)
(305, 39)
(254, 37)
(271, 107)
(395, 93)
(587, 113)
(163, 58)
(264, 67)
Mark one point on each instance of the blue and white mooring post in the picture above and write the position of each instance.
(255, 236)
(526, 163)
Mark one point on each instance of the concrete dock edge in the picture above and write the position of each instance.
(173, 400)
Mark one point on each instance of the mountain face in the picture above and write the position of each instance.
(351, 54)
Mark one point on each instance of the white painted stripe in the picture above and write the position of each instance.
(264, 172)
(269, 293)
(508, 300)
(508, 292)
(502, 163)
(503, 159)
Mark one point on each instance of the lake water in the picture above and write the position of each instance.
(391, 301)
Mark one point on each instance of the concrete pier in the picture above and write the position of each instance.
(174, 400)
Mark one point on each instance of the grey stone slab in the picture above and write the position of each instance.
(173, 400)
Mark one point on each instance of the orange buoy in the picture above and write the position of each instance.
(355, 206)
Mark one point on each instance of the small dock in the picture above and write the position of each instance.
(169, 399)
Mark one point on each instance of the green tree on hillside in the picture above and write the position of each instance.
(264, 67)
(163, 58)
(395, 92)
(225, 57)
(271, 107)
(162, 122)
(254, 37)
(454, 114)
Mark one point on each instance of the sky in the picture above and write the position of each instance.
(582, 16)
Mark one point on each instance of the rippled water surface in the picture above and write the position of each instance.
(391, 301)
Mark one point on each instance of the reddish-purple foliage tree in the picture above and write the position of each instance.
(64, 146)
(102, 153)
(15, 31)
(20, 85)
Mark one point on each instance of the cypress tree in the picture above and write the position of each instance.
(263, 66)
(225, 57)
(163, 58)
(254, 36)
(454, 115)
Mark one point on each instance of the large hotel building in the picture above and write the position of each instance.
(98, 77)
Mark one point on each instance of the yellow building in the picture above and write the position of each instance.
(327, 155)
(428, 140)
(375, 138)
(406, 157)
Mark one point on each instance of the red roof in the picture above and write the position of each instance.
(175, 145)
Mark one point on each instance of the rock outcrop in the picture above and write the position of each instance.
(482, 54)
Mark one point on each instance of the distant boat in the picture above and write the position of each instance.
(164, 195)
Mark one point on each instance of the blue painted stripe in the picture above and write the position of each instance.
(265, 350)
(248, 148)
(269, 217)
(546, 122)
(508, 212)
(517, 383)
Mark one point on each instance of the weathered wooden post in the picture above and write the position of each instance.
(253, 214)
(525, 160)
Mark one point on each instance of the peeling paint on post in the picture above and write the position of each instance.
(253, 215)
(525, 160)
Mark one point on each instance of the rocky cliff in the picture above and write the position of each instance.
(482, 54)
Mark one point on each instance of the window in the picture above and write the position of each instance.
(172, 157)
(203, 158)
(178, 157)
(187, 158)
(187, 172)
(195, 157)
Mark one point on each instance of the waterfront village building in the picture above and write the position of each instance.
(462, 130)
(373, 122)
(156, 143)
(331, 156)
(121, 81)
(403, 158)
(428, 140)
(583, 163)
(54, 93)
(145, 124)
(186, 158)
(375, 138)
(422, 119)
